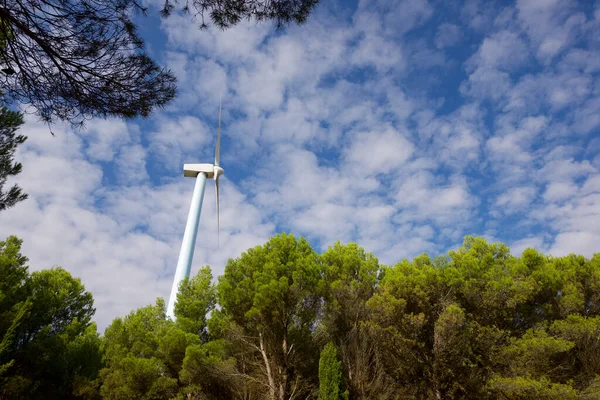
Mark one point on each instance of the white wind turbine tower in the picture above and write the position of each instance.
(201, 172)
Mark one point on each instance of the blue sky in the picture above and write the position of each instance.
(400, 125)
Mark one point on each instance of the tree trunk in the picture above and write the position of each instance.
(283, 370)
(270, 378)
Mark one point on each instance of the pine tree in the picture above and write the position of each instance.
(9, 140)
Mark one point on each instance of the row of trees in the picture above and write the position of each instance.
(284, 322)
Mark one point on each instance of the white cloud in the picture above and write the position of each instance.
(211, 79)
(584, 243)
(533, 242)
(487, 82)
(591, 185)
(380, 24)
(294, 122)
(232, 45)
(131, 164)
(181, 140)
(378, 52)
(504, 50)
(559, 191)
(564, 170)
(263, 84)
(512, 143)
(580, 59)
(478, 14)
(292, 178)
(396, 18)
(587, 118)
(490, 68)
(378, 152)
(577, 221)
(569, 90)
(348, 203)
(104, 137)
(405, 15)
(455, 138)
(447, 35)
(557, 91)
(551, 25)
(516, 199)
(421, 198)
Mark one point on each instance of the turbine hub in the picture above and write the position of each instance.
(218, 171)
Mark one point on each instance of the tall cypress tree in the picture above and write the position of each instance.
(331, 383)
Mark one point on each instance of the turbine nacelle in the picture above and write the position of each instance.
(210, 170)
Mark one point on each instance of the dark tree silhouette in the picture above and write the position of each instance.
(77, 59)
(72, 60)
(9, 140)
(226, 13)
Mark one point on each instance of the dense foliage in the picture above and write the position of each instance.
(49, 347)
(72, 60)
(284, 322)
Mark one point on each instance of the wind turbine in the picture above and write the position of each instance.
(201, 172)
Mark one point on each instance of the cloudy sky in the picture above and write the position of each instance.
(400, 125)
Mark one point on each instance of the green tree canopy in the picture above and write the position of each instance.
(271, 296)
(136, 363)
(50, 348)
(285, 323)
(147, 356)
(196, 299)
(350, 278)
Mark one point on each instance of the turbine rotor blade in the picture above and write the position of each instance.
(218, 149)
